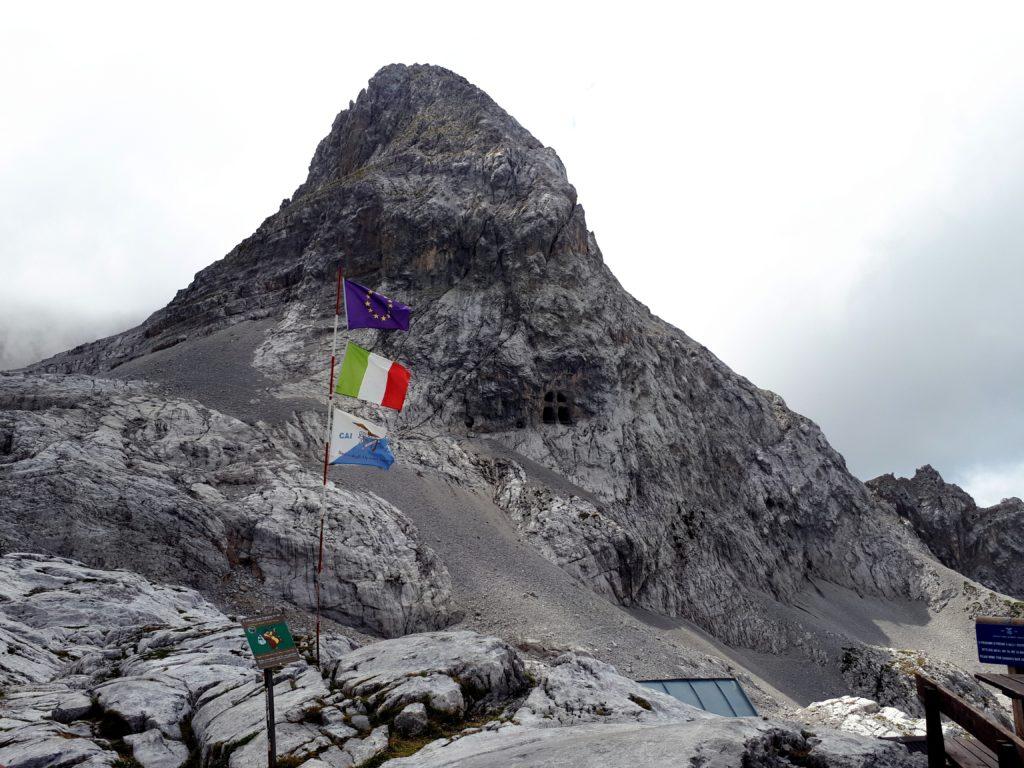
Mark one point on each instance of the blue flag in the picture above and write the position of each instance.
(365, 308)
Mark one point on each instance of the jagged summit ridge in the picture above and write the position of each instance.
(410, 187)
(983, 543)
(423, 108)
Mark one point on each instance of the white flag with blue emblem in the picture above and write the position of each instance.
(355, 440)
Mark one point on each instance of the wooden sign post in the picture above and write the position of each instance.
(1001, 641)
(272, 646)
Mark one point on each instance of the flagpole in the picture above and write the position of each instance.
(338, 298)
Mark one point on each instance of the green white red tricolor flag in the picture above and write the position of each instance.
(373, 378)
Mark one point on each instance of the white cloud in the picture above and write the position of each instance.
(990, 485)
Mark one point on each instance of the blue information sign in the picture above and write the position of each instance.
(1000, 641)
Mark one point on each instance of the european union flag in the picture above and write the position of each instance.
(365, 308)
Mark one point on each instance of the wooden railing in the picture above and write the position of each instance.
(992, 746)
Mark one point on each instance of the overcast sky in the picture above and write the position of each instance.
(827, 195)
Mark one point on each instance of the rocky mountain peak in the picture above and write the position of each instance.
(423, 183)
(417, 109)
(548, 409)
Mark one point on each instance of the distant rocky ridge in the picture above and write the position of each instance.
(985, 544)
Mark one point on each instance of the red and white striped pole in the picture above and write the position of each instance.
(338, 299)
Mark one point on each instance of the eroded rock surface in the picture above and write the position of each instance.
(711, 743)
(158, 675)
(173, 489)
(887, 676)
(859, 715)
(983, 543)
(452, 673)
(579, 689)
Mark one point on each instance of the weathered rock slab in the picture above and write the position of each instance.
(580, 689)
(715, 742)
(154, 750)
(439, 669)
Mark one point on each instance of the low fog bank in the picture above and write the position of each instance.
(29, 334)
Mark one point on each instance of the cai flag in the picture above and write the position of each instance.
(372, 378)
(358, 441)
(366, 308)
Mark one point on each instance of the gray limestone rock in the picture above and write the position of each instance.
(886, 675)
(412, 720)
(360, 722)
(192, 665)
(715, 742)
(984, 544)
(448, 671)
(145, 703)
(153, 750)
(365, 749)
(339, 731)
(335, 757)
(295, 741)
(578, 689)
(522, 334)
(36, 746)
(140, 458)
(440, 692)
(862, 716)
(72, 707)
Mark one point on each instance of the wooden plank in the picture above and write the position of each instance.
(929, 694)
(1011, 685)
(974, 722)
(1016, 704)
(970, 754)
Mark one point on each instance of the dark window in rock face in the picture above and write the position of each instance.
(557, 408)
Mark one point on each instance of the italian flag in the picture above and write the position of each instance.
(372, 378)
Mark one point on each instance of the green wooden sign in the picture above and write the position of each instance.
(270, 641)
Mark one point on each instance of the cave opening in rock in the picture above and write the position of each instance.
(557, 408)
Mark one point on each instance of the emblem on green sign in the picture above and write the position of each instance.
(270, 641)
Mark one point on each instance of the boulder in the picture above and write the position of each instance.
(72, 707)
(581, 689)
(447, 671)
(859, 715)
(49, 744)
(154, 750)
(412, 720)
(145, 703)
(364, 750)
(360, 723)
